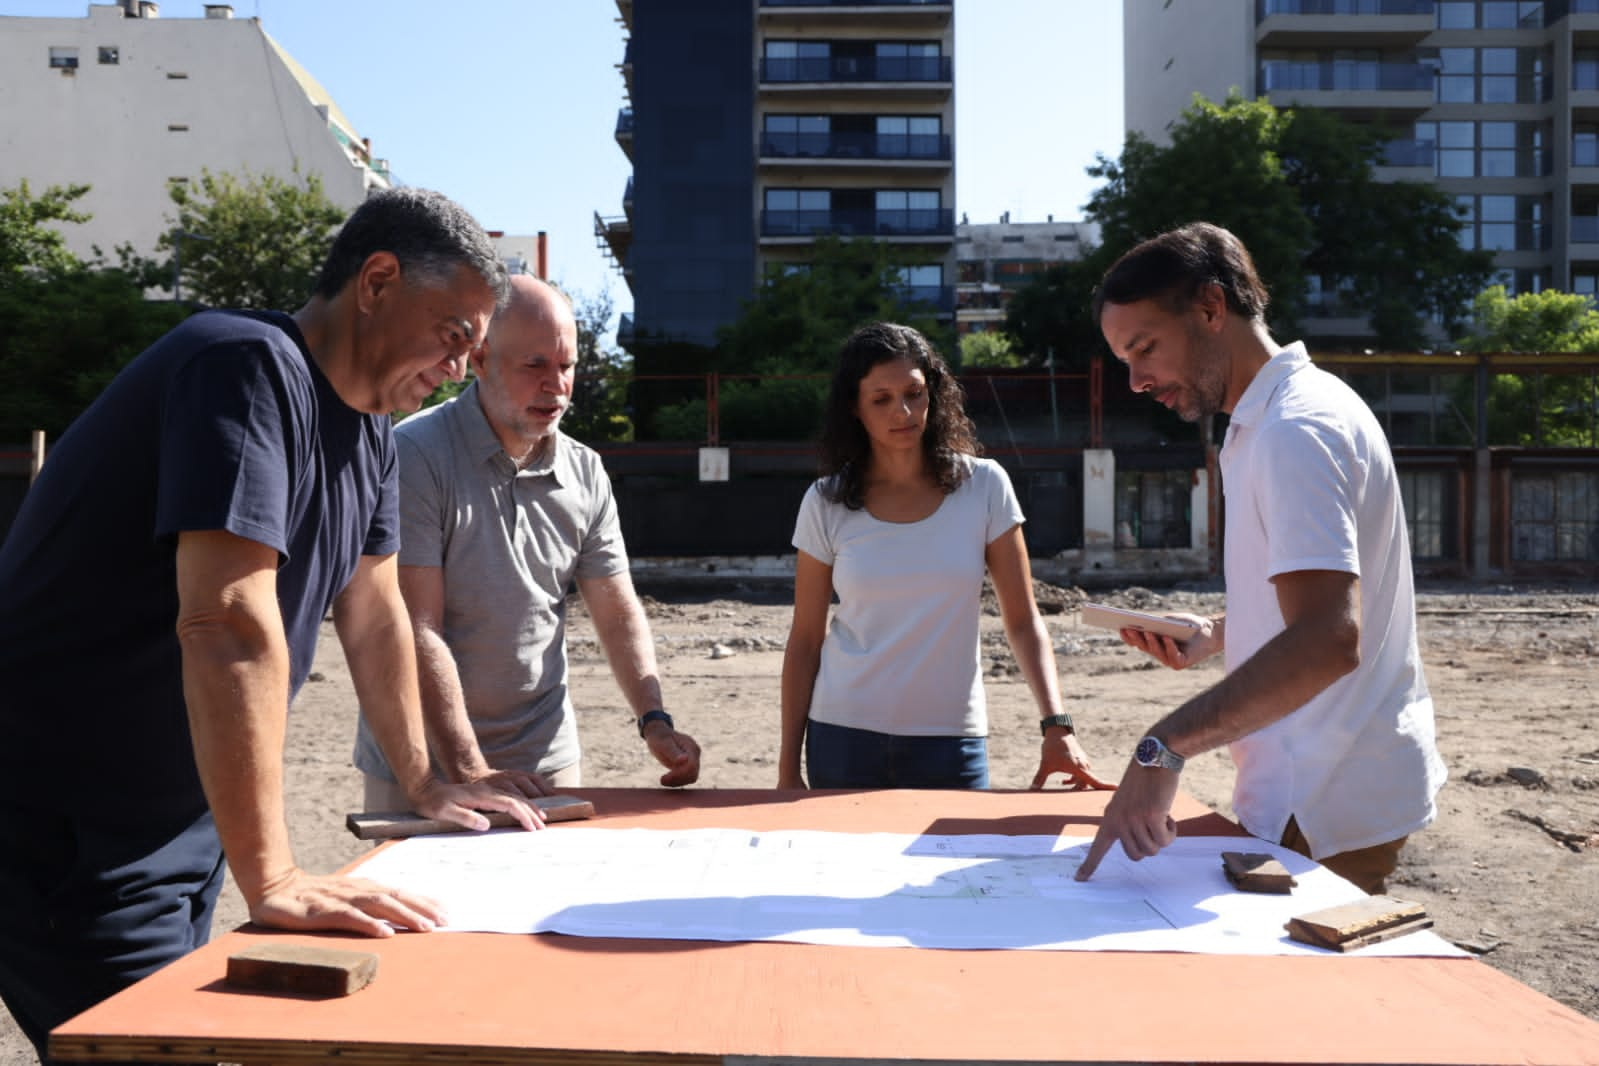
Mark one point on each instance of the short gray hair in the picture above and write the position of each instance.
(431, 235)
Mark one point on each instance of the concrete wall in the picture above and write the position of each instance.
(183, 94)
(1173, 50)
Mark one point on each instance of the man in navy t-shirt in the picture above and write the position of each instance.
(160, 597)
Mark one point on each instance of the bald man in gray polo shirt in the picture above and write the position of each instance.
(499, 512)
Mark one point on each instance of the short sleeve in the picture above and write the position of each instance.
(1307, 498)
(383, 535)
(603, 551)
(810, 529)
(1004, 509)
(226, 458)
(421, 504)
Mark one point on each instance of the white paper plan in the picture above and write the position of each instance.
(874, 889)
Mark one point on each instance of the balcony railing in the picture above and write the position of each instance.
(857, 69)
(937, 297)
(1344, 7)
(909, 222)
(856, 3)
(856, 145)
(1409, 152)
(1330, 76)
(1585, 229)
(624, 122)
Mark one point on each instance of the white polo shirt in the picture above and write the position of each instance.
(1309, 484)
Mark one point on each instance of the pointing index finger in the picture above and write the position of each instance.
(1096, 851)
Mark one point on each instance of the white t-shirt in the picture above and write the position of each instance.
(1310, 485)
(901, 653)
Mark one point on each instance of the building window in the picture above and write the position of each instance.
(796, 211)
(1152, 509)
(1427, 511)
(1490, 14)
(1554, 517)
(1492, 76)
(908, 210)
(63, 58)
(1487, 149)
(110, 55)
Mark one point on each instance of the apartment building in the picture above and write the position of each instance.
(994, 259)
(125, 101)
(756, 126)
(1497, 101)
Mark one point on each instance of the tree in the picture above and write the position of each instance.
(786, 341)
(599, 395)
(1051, 316)
(1542, 409)
(251, 240)
(990, 348)
(1298, 188)
(28, 243)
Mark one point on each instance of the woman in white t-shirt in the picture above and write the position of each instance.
(902, 526)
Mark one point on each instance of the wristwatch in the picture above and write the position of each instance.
(1151, 752)
(657, 715)
(1064, 721)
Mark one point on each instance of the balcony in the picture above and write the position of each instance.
(858, 70)
(1339, 84)
(624, 130)
(937, 298)
(1341, 23)
(862, 146)
(938, 222)
(1584, 169)
(1585, 230)
(614, 237)
(627, 198)
(837, 14)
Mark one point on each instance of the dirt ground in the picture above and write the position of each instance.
(1510, 869)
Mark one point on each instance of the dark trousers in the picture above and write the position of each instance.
(841, 757)
(90, 904)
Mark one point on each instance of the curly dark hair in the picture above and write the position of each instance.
(845, 449)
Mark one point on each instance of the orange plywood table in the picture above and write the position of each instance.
(497, 999)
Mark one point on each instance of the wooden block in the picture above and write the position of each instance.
(299, 969)
(386, 825)
(1254, 871)
(1353, 925)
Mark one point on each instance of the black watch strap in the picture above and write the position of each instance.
(1064, 721)
(657, 715)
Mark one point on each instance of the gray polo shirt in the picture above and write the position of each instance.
(510, 542)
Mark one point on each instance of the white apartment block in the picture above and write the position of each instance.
(125, 101)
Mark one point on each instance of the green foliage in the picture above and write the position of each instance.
(1548, 321)
(990, 348)
(252, 240)
(63, 335)
(27, 241)
(790, 330)
(66, 327)
(1298, 189)
(599, 395)
(795, 322)
(1540, 409)
(1051, 316)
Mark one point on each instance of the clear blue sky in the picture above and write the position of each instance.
(508, 106)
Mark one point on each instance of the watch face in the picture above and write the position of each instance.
(1148, 752)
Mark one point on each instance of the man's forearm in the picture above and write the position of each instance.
(444, 714)
(236, 690)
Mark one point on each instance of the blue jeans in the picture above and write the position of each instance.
(90, 904)
(837, 756)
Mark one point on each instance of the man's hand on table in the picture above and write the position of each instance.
(303, 902)
(514, 783)
(1138, 815)
(676, 751)
(1060, 753)
(461, 803)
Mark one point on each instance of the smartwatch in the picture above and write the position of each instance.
(657, 715)
(1064, 721)
(1152, 753)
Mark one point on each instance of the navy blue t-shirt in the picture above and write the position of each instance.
(225, 423)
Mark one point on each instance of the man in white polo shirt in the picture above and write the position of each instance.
(500, 512)
(1324, 705)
